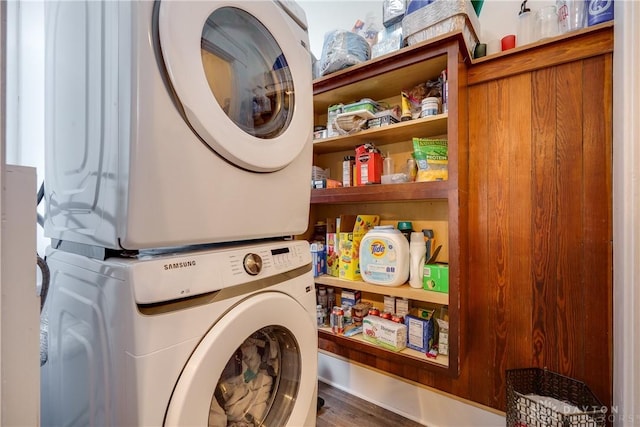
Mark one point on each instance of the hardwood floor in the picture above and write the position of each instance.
(344, 410)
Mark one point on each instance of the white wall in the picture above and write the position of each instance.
(626, 214)
(25, 92)
(497, 17)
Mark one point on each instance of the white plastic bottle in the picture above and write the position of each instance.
(524, 33)
(417, 254)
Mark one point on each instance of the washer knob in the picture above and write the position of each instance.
(252, 264)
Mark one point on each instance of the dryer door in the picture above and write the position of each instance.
(241, 72)
(257, 365)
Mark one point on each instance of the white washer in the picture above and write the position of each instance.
(199, 338)
(172, 123)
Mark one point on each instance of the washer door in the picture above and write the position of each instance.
(242, 75)
(258, 364)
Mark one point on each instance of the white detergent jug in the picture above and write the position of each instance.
(384, 256)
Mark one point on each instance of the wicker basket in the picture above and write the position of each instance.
(541, 398)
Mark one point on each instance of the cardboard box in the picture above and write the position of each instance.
(402, 306)
(318, 257)
(443, 337)
(390, 304)
(333, 259)
(349, 243)
(319, 183)
(368, 166)
(349, 297)
(420, 329)
(363, 105)
(385, 333)
(436, 278)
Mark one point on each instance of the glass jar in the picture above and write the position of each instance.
(546, 22)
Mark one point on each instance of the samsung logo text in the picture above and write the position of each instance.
(181, 264)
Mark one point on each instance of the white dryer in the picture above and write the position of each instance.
(211, 337)
(171, 123)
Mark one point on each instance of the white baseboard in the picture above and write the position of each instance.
(418, 403)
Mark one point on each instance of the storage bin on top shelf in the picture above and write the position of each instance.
(438, 17)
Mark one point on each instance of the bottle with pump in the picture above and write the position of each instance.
(525, 26)
(417, 255)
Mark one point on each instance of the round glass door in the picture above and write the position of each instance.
(257, 365)
(241, 74)
(247, 72)
(260, 382)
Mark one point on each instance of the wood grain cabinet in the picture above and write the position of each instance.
(527, 208)
(440, 205)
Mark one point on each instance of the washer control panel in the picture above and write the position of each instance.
(184, 274)
(252, 264)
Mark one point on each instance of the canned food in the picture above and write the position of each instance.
(337, 320)
(385, 315)
(397, 318)
(374, 312)
(430, 106)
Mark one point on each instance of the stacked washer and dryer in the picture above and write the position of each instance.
(178, 157)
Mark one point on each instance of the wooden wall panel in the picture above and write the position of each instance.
(478, 303)
(518, 302)
(540, 227)
(597, 230)
(544, 171)
(569, 280)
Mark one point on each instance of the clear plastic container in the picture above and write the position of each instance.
(546, 22)
(387, 165)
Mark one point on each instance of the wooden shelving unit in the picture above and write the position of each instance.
(383, 79)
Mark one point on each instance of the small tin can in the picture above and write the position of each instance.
(374, 312)
(337, 320)
(430, 106)
(348, 167)
(386, 315)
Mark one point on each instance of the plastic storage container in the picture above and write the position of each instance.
(440, 17)
(384, 256)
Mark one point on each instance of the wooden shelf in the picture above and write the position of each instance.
(403, 291)
(417, 62)
(424, 127)
(441, 360)
(382, 193)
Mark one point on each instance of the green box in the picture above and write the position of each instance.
(436, 278)
(369, 106)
